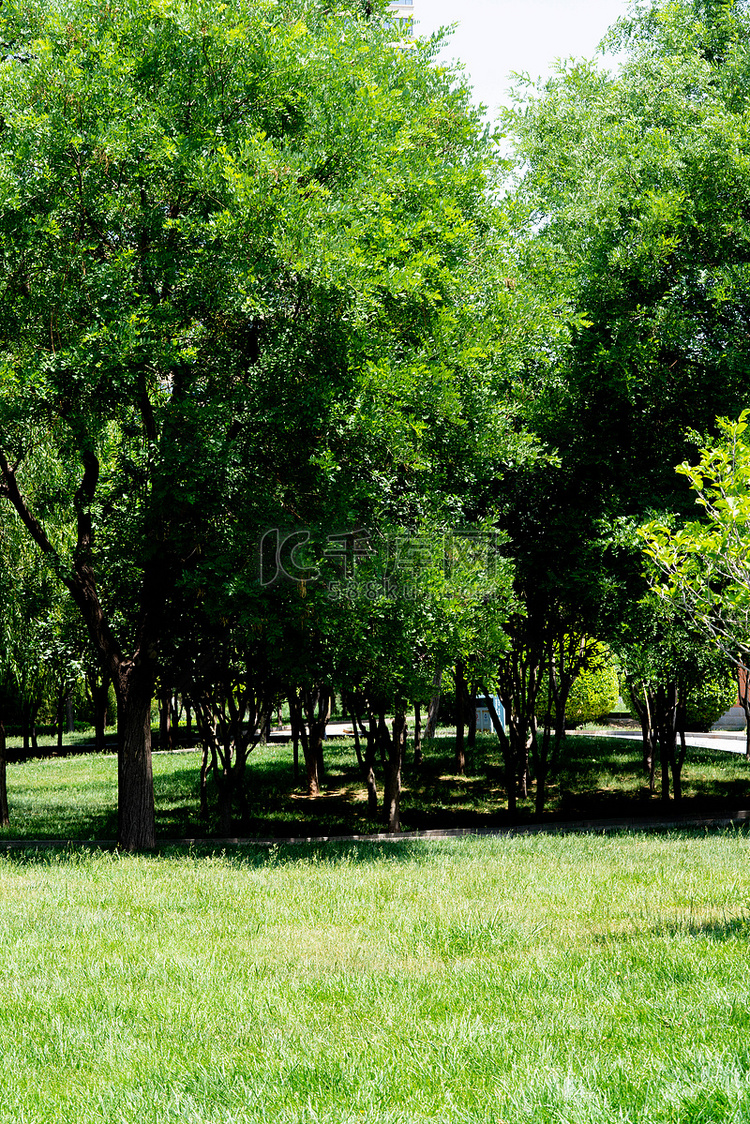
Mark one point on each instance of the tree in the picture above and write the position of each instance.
(219, 229)
(703, 567)
(665, 660)
(631, 203)
(636, 203)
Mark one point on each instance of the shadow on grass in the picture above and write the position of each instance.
(252, 855)
(597, 778)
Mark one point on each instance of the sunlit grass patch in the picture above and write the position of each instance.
(571, 978)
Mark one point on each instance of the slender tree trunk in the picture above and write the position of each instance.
(417, 736)
(392, 794)
(203, 785)
(542, 767)
(471, 701)
(505, 744)
(432, 710)
(175, 725)
(317, 703)
(460, 688)
(355, 730)
(225, 799)
(34, 731)
(370, 750)
(295, 748)
(60, 719)
(4, 816)
(99, 693)
(25, 729)
(165, 723)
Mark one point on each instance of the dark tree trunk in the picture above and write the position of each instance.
(133, 680)
(176, 710)
(541, 764)
(295, 748)
(99, 695)
(460, 758)
(666, 723)
(645, 711)
(165, 723)
(34, 731)
(432, 710)
(224, 799)
(25, 729)
(349, 703)
(392, 794)
(4, 816)
(60, 718)
(203, 786)
(317, 703)
(370, 750)
(471, 702)
(417, 736)
(508, 757)
(136, 828)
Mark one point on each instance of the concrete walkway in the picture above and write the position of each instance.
(725, 740)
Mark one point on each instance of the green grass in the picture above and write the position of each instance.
(574, 979)
(75, 798)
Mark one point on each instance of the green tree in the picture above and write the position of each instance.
(702, 567)
(219, 230)
(632, 207)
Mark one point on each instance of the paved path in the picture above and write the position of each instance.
(727, 741)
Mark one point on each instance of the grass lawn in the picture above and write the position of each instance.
(575, 979)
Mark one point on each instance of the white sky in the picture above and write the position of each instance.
(495, 37)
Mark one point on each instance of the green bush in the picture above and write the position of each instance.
(707, 702)
(593, 694)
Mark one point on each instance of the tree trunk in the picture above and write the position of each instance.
(225, 799)
(99, 693)
(460, 751)
(136, 818)
(317, 703)
(392, 794)
(165, 723)
(203, 786)
(295, 748)
(471, 702)
(4, 817)
(418, 736)
(508, 756)
(60, 719)
(34, 731)
(25, 729)
(351, 705)
(432, 710)
(372, 784)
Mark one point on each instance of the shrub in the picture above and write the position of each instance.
(709, 700)
(593, 694)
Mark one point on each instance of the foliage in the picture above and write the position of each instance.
(242, 249)
(708, 700)
(634, 191)
(595, 690)
(703, 567)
